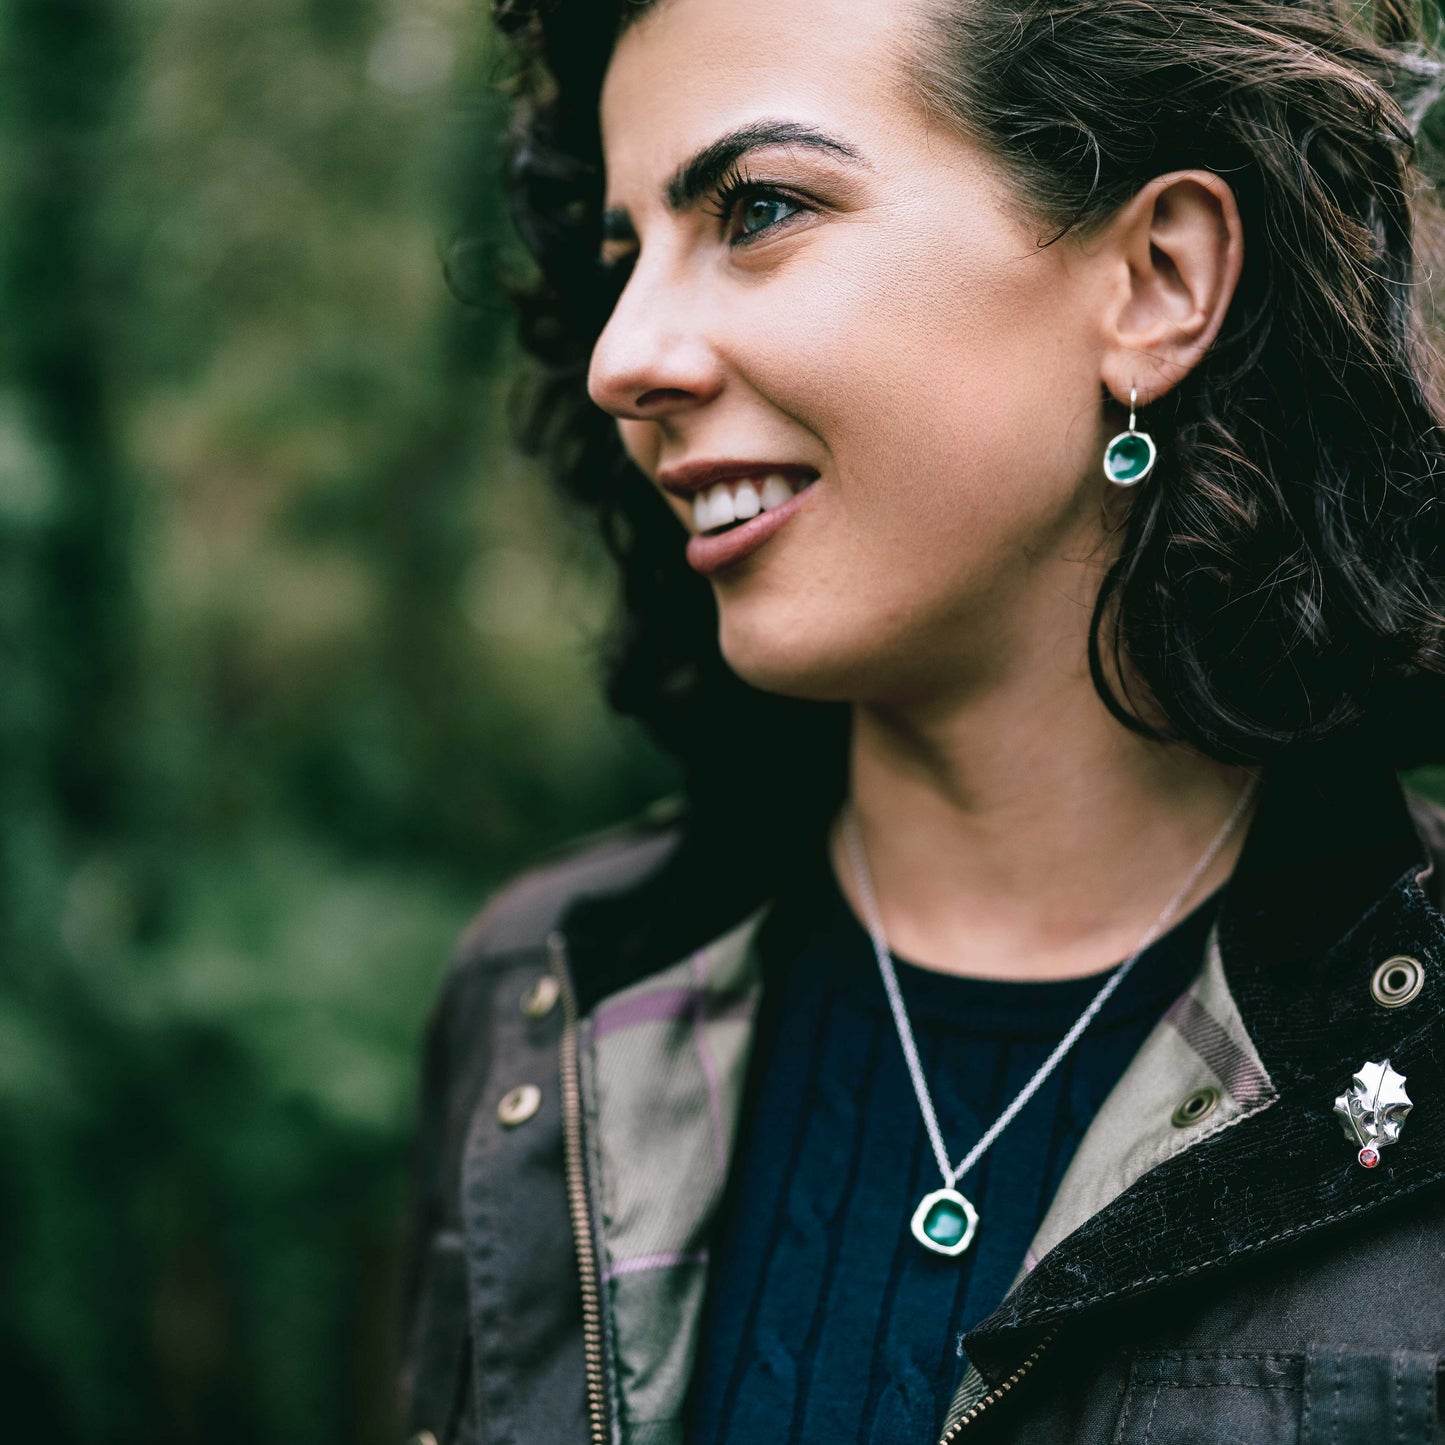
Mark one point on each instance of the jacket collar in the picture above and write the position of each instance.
(1327, 887)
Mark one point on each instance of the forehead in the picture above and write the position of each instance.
(691, 69)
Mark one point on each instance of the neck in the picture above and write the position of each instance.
(1028, 836)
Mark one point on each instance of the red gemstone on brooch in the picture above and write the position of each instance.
(1369, 1157)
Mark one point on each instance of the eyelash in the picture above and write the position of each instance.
(734, 186)
(737, 185)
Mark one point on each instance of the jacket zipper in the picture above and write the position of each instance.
(582, 1223)
(999, 1391)
(577, 1194)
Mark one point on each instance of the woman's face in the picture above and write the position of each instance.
(871, 312)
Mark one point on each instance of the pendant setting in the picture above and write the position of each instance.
(1129, 458)
(945, 1222)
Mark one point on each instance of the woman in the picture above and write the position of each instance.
(1014, 427)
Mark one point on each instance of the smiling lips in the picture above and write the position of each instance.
(736, 505)
(724, 503)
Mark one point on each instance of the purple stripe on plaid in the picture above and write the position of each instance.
(1244, 1079)
(666, 1005)
(652, 1261)
(704, 1054)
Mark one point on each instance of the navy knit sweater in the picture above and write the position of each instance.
(826, 1320)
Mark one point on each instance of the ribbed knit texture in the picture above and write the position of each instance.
(826, 1320)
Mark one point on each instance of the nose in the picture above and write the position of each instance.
(654, 359)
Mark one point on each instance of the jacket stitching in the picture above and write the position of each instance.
(1217, 1385)
(1252, 1355)
(1102, 1295)
(1308, 1407)
(1339, 1384)
(1129, 1397)
(1400, 1397)
(1149, 1423)
(1174, 1145)
(1197, 1141)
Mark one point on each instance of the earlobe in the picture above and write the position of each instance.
(1180, 248)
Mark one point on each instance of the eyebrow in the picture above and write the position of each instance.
(703, 172)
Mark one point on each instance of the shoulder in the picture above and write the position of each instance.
(478, 1042)
(502, 951)
(521, 913)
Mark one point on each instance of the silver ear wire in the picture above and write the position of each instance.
(1131, 455)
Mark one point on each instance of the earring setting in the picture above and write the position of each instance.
(1130, 456)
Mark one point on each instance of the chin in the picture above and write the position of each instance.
(785, 659)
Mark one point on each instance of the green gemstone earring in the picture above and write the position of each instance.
(1129, 457)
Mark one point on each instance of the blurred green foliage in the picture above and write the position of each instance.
(297, 663)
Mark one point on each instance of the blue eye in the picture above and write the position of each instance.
(763, 211)
(748, 209)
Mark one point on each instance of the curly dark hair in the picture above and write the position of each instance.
(1279, 584)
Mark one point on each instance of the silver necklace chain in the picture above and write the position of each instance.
(864, 882)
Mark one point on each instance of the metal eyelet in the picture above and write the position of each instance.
(1397, 981)
(541, 998)
(518, 1105)
(1197, 1107)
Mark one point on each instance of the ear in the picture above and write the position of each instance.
(1179, 246)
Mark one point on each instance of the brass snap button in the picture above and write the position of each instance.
(541, 998)
(1198, 1106)
(1397, 981)
(518, 1105)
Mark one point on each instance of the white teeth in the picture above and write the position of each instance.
(738, 501)
(775, 491)
(713, 508)
(720, 499)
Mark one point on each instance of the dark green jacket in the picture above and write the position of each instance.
(1217, 1266)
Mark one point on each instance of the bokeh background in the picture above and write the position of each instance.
(297, 660)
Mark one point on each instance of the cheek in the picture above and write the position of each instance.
(954, 387)
(952, 381)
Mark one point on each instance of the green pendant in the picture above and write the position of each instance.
(1129, 458)
(945, 1222)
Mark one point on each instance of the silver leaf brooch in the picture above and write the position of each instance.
(1372, 1110)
